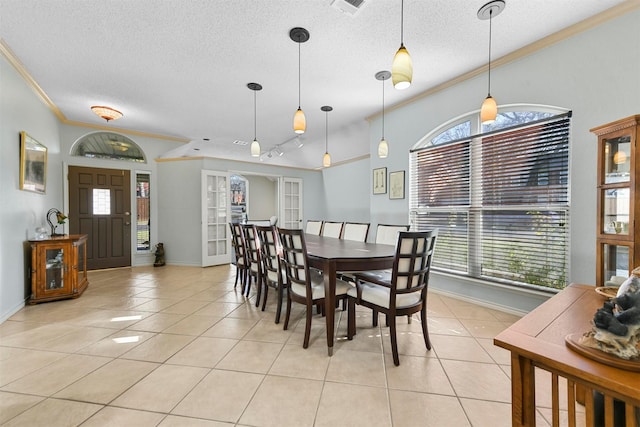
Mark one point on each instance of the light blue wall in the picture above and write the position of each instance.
(594, 73)
(346, 191)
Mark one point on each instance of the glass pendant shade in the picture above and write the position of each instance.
(326, 160)
(255, 148)
(489, 111)
(383, 149)
(402, 69)
(299, 122)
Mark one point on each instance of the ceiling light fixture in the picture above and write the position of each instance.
(299, 142)
(255, 145)
(326, 160)
(299, 35)
(383, 145)
(106, 113)
(489, 110)
(402, 67)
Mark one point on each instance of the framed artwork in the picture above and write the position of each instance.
(380, 181)
(33, 164)
(396, 185)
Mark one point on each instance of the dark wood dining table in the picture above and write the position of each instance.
(332, 255)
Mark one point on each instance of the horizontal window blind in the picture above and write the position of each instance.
(500, 201)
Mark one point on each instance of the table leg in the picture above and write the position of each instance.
(329, 273)
(523, 392)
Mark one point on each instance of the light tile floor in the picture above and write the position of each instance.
(179, 346)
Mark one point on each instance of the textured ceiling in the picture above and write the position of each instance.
(180, 68)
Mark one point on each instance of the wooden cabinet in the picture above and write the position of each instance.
(617, 234)
(58, 268)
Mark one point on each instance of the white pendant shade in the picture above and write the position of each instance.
(383, 149)
(402, 69)
(299, 121)
(326, 160)
(489, 111)
(255, 148)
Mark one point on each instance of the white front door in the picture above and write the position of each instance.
(216, 244)
(291, 203)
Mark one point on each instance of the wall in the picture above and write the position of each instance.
(22, 211)
(594, 73)
(347, 190)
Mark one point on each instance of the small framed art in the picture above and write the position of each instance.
(396, 185)
(380, 181)
(33, 164)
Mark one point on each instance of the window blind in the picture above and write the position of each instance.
(500, 201)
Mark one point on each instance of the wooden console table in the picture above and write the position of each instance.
(538, 341)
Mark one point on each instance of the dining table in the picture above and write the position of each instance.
(331, 255)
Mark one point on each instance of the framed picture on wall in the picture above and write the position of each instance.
(33, 164)
(396, 185)
(380, 181)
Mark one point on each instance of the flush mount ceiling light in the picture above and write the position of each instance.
(255, 145)
(383, 145)
(489, 110)
(106, 113)
(299, 35)
(326, 160)
(402, 67)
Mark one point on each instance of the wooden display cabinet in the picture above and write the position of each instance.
(617, 235)
(58, 268)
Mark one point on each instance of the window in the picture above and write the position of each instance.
(143, 209)
(499, 199)
(108, 145)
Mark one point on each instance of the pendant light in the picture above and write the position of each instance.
(489, 110)
(383, 145)
(326, 160)
(255, 145)
(299, 35)
(402, 67)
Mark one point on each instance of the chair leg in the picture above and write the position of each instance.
(237, 275)
(259, 289)
(286, 317)
(265, 286)
(247, 287)
(307, 327)
(279, 303)
(425, 331)
(351, 318)
(375, 318)
(394, 341)
(409, 318)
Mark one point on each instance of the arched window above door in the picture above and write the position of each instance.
(108, 145)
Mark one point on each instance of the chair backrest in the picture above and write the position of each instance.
(271, 250)
(237, 241)
(357, 231)
(294, 258)
(332, 229)
(313, 227)
(252, 246)
(412, 264)
(388, 234)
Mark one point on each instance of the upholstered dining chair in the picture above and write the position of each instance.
(305, 285)
(252, 245)
(332, 229)
(357, 231)
(271, 252)
(400, 292)
(313, 227)
(388, 234)
(237, 241)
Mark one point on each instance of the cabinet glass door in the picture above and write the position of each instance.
(616, 211)
(55, 268)
(617, 159)
(615, 260)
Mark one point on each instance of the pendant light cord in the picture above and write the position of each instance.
(402, 23)
(489, 84)
(299, 73)
(382, 109)
(326, 132)
(255, 116)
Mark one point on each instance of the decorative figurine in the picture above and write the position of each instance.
(159, 262)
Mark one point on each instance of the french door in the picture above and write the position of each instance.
(216, 244)
(291, 203)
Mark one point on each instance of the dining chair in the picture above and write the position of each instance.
(237, 241)
(313, 227)
(271, 252)
(254, 261)
(388, 234)
(332, 229)
(305, 285)
(400, 292)
(357, 231)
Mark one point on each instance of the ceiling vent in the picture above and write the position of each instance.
(350, 7)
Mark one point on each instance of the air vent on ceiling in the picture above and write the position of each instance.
(350, 7)
(238, 142)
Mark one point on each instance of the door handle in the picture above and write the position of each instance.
(127, 223)
(127, 213)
